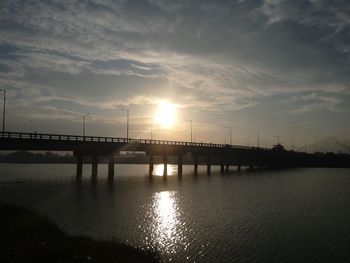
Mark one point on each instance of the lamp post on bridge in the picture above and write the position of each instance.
(127, 122)
(153, 130)
(190, 121)
(292, 144)
(84, 121)
(3, 111)
(194, 135)
(266, 140)
(258, 137)
(230, 128)
(248, 140)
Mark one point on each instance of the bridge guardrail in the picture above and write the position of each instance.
(80, 138)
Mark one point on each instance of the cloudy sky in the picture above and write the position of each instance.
(274, 66)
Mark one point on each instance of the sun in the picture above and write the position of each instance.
(166, 114)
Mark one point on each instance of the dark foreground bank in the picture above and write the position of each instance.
(28, 237)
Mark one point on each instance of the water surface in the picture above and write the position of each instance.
(296, 215)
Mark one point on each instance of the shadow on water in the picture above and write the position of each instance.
(110, 183)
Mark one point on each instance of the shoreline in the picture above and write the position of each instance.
(29, 237)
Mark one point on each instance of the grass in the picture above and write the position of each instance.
(28, 237)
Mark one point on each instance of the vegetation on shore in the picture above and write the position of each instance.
(29, 237)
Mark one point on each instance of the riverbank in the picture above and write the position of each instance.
(29, 237)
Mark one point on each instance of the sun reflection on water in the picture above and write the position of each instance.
(167, 228)
(159, 170)
(167, 215)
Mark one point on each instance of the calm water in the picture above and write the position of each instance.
(297, 215)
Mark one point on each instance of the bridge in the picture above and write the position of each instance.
(213, 154)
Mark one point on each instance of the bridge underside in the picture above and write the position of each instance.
(180, 160)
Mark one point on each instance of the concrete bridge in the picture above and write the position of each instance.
(213, 154)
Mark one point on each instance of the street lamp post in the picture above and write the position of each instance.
(190, 121)
(127, 122)
(248, 140)
(84, 117)
(258, 137)
(3, 111)
(230, 128)
(292, 143)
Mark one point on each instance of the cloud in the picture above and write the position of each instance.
(316, 101)
(210, 57)
(317, 13)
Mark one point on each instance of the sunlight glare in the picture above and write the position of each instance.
(166, 114)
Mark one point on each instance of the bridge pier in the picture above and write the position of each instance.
(79, 165)
(222, 165)
(111, 166)
(196, 164)
(165, 161)
(239, 168)
(227, 168)
(94, 163)
(179, 164)
(151, 164)
(208, 164)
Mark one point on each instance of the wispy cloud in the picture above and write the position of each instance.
(209, 57)
(315, 101)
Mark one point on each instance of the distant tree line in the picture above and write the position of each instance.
(32, 157)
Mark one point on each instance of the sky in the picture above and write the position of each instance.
(276, 67)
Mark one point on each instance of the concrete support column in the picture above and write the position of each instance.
(165, 161)
(208, 164)
(227, 161)
(111, 165)
(196, 164)
(222, 168)
(223, 161)
(79, 165)
(239, 168)
(94, 165)
(179, 164)
(151, 164)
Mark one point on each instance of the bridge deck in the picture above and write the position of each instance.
(98, 139)
(109, 146)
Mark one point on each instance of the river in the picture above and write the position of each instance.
(292, 215)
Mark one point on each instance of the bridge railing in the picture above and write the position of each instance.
(98, 139)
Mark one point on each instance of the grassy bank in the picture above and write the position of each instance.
(28, 237)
